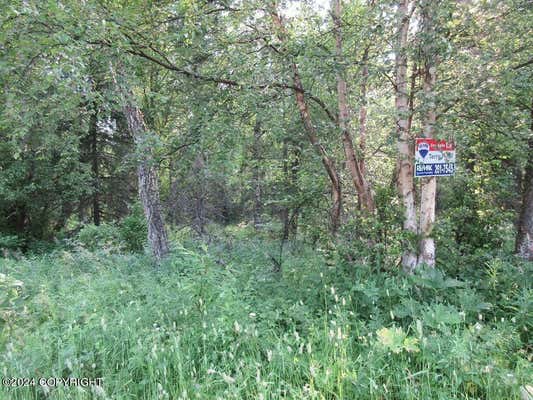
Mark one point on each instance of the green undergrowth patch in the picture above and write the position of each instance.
(217, 321)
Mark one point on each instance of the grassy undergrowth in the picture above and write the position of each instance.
(216, 322)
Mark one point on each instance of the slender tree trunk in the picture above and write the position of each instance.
(198, 172)
(95, 167)
(363, 112)
(257, 175)
(290, 212)
(411, 101)
(336, 208)
(354, 163)
(148, 185)
(429, 185)
(524, 237)
(310, 130)
(405, 163)
(285, 220)
(295, 166)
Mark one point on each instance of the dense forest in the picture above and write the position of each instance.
(220, 199)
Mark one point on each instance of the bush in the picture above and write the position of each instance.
(133, 230)
(128, 235)
(104, 236)
(10, 242)
(375, 239)
(10, 309)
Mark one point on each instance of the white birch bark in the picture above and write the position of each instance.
(428, 185)
(524, 237)
(405, 153)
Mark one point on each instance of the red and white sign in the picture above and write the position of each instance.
(434, 157)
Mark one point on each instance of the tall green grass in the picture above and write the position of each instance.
(216, 322)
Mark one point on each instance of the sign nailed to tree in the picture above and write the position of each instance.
(434, 158)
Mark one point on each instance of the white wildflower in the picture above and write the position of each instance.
(228, 379)
(98, 390)
(488, 368)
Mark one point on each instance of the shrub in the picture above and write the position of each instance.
(10, 242)
(10, 309)
(375, 239)
(104, 236)
(133, 230)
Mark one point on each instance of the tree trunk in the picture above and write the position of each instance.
(295, 166)
(524, 237)
(405, 163)
(290, 212)
(198, 172)
(354, 163)
(285, 219)
(363, 112)
(148, 185)
(310, 130)
(257, 175)
(95, 167)
(429, 185)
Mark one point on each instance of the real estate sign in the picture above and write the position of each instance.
(434, 158)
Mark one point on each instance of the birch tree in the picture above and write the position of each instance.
(405, 164)
(356, 164)
(524, 237)
(429, 185)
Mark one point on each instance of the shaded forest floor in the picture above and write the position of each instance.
(217, 321)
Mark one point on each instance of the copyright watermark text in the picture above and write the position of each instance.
(50, 382)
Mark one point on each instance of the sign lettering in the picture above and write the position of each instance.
(434, 158)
